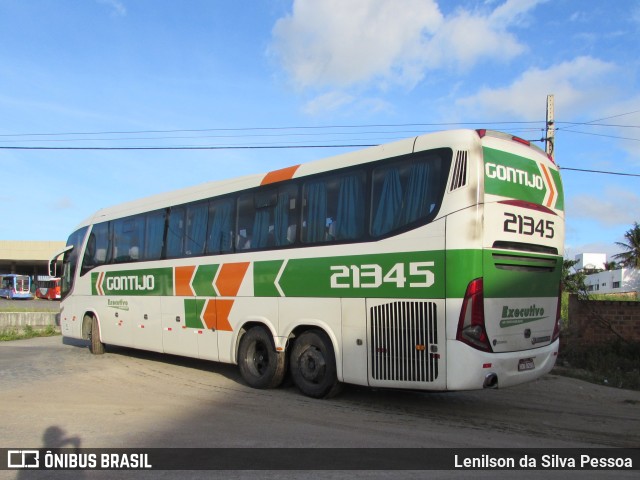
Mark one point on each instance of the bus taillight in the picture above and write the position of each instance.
(471, 328)
(556, 328)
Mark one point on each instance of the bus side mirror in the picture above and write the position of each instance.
(53, 262)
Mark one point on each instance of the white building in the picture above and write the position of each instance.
(590, 261)
(621, 280)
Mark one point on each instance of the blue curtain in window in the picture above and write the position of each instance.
(416, 203)
(155, 232)
(260, 232)
(316, 217)
(389, 205)
(175, 233)
(281, 219)
(196, 230)
(220, 235)
(350, 214)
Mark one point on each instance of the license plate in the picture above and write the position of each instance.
(526, 364)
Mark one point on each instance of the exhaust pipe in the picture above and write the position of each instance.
(490, 381)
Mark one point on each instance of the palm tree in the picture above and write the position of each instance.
(631, 256)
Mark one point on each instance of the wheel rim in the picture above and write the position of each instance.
(259, 359)
(312, 365)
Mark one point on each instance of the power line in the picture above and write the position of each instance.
(266, 147)
(599, 135)
(279, 131)
(616, 125)
(214, 147)
(600, 171)
(309, 127)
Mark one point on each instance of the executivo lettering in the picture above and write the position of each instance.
(518, 316)
(118, 304)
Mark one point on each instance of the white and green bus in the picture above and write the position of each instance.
(431, 263)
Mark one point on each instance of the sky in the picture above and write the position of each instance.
(83, 77)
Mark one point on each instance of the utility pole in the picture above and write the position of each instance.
(550, 136)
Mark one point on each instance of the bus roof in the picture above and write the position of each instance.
(462, 138)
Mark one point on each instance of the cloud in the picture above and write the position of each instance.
(341, 43)
(609, 209)
(328, 102)
(576, 84)
(338, 44)
(63, 203)
(117, 8)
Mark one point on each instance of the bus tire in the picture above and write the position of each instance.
(95, 345)
(313, 365)
(261, 366)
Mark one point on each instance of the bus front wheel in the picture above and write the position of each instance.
(261, 366)
(95, 345)
(313, 365)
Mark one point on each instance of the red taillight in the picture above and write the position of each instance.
(481, 132)
(471, 327)
(521, 140)
(556, 328)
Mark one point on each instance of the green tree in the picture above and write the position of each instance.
(608, 266)
(572, 282)
(630, 257)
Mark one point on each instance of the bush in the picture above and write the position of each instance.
(616, 364)
(27, 332)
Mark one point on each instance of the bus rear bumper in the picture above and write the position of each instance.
(471, 369)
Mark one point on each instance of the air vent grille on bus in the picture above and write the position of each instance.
(402, 336)
(523, 263)
(526, 247)
(459, 178)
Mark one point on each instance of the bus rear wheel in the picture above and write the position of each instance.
(95, 345)
(313, 365)
(261, 366)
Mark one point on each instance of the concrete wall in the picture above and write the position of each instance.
(18, 320)
(597, 322)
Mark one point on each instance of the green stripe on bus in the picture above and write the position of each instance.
(508, 274)
(420, 275)
(264, 278)
(193, 312)
(393, 275)
(203, 280)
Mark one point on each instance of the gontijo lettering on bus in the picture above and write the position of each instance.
(506, 175)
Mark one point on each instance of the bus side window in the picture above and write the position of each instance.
(220, 231)
(334, 208)
(195, 229)
(96, 251)
(154, 235)
(175, 232)
(128, 235)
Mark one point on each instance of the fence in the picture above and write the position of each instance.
(598, 322)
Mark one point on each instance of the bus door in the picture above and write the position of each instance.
(147, 323)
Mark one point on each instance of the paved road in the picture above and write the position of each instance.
(140, 399)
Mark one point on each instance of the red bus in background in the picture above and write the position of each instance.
(48, 288)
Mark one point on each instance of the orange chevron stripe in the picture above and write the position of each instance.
(182, 281)
(279, 175)
(223, 309)
(230, 278)
(552, 195)
(209, 315)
